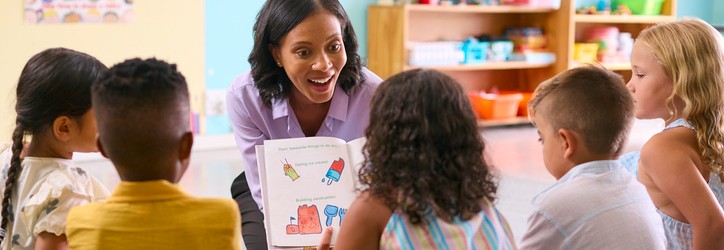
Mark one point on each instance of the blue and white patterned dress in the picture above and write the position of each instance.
(679, 234)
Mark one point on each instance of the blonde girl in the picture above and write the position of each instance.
(678, 76)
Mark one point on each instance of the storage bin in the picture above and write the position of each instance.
(642, 7)
(523, 104)
(476, 52)
(495, 106)
(585, 52)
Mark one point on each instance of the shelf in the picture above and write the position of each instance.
(622, 19)
(504, 122)
(619, 66)
(477, 8)
(485, 66)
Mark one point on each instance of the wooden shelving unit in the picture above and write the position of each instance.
(486, 66)
(476, 9)
(611, 19)
(504, 122)
(392, 28)
(618, 66)
(633, 24)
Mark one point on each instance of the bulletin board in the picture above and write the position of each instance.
(78, 11)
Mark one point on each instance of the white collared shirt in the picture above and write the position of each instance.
(596, 205)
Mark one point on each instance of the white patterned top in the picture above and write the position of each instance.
(45, 191)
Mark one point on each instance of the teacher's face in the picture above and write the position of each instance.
(312, 54)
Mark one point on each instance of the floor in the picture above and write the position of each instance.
(514, 151)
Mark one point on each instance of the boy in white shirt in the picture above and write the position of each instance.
(583, 118)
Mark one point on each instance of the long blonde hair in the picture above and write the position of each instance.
(691, 54)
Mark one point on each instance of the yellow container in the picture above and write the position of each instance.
(585, 52)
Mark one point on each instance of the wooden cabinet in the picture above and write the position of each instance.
(579, 24)
(392, 28)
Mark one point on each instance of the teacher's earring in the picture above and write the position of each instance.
(279, 64)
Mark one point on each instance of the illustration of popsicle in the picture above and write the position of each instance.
(335, 171)
(289, 171)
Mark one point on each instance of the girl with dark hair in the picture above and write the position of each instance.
(41, 183)
(428, 185)
(306, 79)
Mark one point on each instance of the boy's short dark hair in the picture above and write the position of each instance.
(142, 109)
(591, 101)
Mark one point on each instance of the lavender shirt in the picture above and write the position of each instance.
(253, 122)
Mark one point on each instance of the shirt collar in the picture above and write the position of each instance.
(141, 191)
(595, 167)
(592, 167)
(337, 109)
(340, 104)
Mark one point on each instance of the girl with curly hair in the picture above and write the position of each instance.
(428, 185)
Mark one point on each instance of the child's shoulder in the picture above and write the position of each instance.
(60, 178)
(216, 204)
(4, 147)
(672, 146)
(215, 211)
(586, 193)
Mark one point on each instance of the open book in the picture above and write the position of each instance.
(307, 184)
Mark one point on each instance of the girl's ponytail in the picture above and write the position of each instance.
(7, 208)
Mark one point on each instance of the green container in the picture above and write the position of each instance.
(642, 7)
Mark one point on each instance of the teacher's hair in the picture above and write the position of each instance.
(274, 21)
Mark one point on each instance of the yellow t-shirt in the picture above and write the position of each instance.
(155, 215)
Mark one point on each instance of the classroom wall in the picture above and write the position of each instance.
(717, 12)
(696, 8)
(167, 29)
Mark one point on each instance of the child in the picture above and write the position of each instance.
(596, 203)
(142, 107)
(41, 182)
(682, 81)
(428, 185)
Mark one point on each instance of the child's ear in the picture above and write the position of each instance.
(187, 142)
(184, 154)
(62, 127)
(569, 143)
(100, 147)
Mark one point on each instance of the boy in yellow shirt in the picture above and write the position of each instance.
(142, 111)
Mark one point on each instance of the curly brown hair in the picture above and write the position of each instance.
(424, 153)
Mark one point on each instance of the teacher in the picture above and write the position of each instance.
(306, 79)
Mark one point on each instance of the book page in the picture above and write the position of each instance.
(354, 148)
(308, 187)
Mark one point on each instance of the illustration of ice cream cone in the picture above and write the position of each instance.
(289, 171)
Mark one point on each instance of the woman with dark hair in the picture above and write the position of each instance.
(427, 184)
(306, 79)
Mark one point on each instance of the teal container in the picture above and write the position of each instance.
(642, 7)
